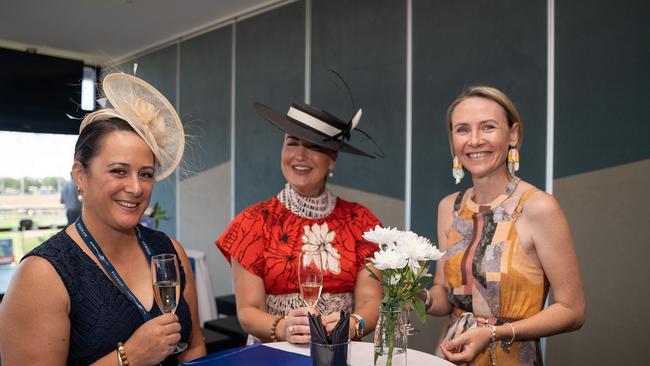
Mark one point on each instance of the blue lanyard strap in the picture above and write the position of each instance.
(108, 267)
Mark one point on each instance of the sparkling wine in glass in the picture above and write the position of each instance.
(310, 278)
(167, 286)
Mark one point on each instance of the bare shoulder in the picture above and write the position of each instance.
(34, 280)
(37, 271)
(540, 205)
(447, 204)
(34, 322)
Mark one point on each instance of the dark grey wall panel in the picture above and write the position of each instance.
(456, 44)
(603, 71)
(270, 54)
(159, 69)
(205, 70)
(365, 41)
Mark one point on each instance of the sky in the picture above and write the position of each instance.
(36, 155)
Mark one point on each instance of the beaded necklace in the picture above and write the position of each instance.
(307, 207)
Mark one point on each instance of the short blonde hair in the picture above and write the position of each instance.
(495, 95)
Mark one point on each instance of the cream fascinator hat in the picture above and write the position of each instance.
(149, 113)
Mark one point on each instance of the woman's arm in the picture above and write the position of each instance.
(196, 344)
(543, 223)
(251, 309)
(440, 305)
(367, 298)
(34, 324)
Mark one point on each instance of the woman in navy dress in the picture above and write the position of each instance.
(85, 296)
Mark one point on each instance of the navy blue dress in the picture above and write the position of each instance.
(100, 314)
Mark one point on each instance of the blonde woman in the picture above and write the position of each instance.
(506, 243)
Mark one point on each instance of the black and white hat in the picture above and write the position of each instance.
(318, 127)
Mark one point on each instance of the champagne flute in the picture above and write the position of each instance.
(310, 277)
(167, 286)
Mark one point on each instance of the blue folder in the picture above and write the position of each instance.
(253, 355)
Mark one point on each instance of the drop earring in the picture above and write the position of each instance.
(457, 170)
(513, 160)
(330, 174)
(80, 196)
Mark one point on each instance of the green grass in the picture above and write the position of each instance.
(39, 221)
(32, 240)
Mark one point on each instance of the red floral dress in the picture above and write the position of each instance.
(267, 240)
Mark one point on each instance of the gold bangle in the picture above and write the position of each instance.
(121, 355)
(356, 328)
(360, 327)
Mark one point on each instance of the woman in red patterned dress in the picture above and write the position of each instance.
(265, 241)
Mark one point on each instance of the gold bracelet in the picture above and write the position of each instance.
(121, 355)
(360, 326)
(274, 336)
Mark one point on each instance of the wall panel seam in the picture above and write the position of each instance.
(308, 51)
(233, 88)
(409, 114)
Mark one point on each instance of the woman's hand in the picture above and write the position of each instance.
(296, 326)
(154, 340)
(330, 320)
(466, 346)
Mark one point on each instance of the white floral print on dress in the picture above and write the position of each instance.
(318, 241)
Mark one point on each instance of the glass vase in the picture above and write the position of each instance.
(390, 337)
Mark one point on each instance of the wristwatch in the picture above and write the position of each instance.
(359, 326)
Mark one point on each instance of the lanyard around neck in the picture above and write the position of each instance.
(109, 268)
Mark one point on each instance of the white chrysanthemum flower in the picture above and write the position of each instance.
(416, 249)
(382, 236)
(317, 241)
(434, 253)
(389, 259)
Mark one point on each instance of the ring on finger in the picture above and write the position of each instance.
(290, 329)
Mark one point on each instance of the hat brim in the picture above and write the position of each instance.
(307, 133)
(121, 89)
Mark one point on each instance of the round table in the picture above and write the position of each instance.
(362, 354)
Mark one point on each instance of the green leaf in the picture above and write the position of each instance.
(372, 274)
(418, 307)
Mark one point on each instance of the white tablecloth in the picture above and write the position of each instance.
(362, 354)
(204, 293)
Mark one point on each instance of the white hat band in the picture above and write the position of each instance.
(312, 122)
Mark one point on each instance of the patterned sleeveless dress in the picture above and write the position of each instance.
(489, 274)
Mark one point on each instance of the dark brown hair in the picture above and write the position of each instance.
(89, 141)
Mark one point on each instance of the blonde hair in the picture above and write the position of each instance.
(495, 95)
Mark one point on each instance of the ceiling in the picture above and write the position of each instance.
(101, 31)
